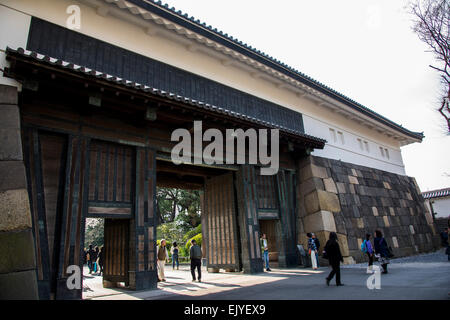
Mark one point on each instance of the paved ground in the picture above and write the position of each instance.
(419, 277)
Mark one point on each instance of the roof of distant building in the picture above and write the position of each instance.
(436, 193)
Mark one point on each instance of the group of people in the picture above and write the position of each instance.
(94, 258)
(444, 242)
(379, 249)
(195, 255)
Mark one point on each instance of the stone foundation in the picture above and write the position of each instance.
(353, 200)
(17, 253)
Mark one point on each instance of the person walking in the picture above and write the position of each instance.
(334, 256)
(174, 252)
(444, 242)
(91, 258)
(94, 261)
(381, 250)
(84, 256)
(317, 243)
(162, 257)
(196, 260)
(367, 248)
(312, 250)
(100, 261)
(265, 250)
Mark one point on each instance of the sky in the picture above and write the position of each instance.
(364, 49)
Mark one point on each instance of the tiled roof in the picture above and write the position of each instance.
(436, 193)
(196, 25)
(45, 59)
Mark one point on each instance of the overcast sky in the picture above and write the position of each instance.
(365, 49)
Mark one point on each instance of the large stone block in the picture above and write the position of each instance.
(320, 221)
(313, 171)
(341, 187)
(330, 186)
(17, 251)
(12, 175)
(10, 117)
(321, 200)
(311, 185)
(386, 221)
(343, 244)
(375, 211)
(10, 144)
(19, 286)
(353, 180)
(360, 223)
(395, 242)
(14, 210)
(8, 94)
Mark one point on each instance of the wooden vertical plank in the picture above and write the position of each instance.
(99, 190)
(119, 189)
(111, 173)
(127, 175)
(93, 179)
(106, 173)
(116, 174)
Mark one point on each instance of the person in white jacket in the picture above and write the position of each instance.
(162, 257)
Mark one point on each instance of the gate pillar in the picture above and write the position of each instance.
(247, 199)
(143, 272)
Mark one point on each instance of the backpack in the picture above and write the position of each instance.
(363, 246)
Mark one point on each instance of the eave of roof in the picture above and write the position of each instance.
(163, 10)
(440, 193)
(58, 63)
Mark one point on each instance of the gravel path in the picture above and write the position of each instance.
(415, 261)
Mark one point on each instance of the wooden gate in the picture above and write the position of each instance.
(116, 250)
(220, 236)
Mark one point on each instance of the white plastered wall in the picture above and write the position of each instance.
(441, 206)
(349, 149)
(173, 49)
(14, 27)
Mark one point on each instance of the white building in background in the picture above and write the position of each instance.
(438, 202)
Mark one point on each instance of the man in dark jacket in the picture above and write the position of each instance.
(196, 260)
(444, 242)
(381, 250)
(444, 238)
(333, 253)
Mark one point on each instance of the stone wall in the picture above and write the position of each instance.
(17, 252)
(353, 200)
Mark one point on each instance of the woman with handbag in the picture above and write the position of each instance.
(366, 247)
(312, 250)
(333, 253)
(381, 250)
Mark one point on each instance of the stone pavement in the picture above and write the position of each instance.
(418, 277)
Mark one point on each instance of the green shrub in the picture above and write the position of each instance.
(198, 238)
(192, 233)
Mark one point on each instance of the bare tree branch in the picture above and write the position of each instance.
(432, 26)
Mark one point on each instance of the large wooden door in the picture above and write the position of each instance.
(116, 246)
(220, 236)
